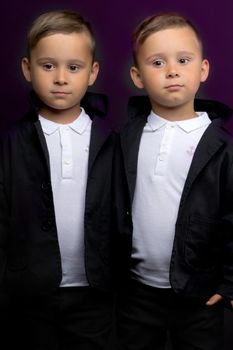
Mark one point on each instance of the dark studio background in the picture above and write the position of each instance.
(113, 23)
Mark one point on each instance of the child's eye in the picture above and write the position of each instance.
(158, 63)
(48, 66)
(184, 60)
(74, 67)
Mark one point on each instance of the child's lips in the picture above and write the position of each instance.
(60, 93)
(174, 87)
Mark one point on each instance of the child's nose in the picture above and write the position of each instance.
(172, 71)
(60, 77)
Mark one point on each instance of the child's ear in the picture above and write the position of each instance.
(204, 70)
(93, 74)
(25, 64)
(136, 77)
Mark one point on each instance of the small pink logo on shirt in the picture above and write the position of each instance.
(191, 151)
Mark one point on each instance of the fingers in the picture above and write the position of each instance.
(215, 299)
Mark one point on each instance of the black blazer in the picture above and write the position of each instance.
(30, 262)
(202, 257)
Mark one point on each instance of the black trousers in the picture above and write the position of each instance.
(146, 315)
(77, 318)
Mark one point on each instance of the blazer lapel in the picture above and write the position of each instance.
(207, 147)
(130, 141)
(99, 133)
(42, 142)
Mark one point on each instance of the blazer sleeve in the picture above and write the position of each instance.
(122, 218)
(4, 227)
(226, 287)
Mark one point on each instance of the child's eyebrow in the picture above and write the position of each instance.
(186, 53)
(164, 55)
(44, 59)
(53, 59)
(155, 55)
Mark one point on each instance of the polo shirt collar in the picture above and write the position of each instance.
(79, 125)
(188, 125)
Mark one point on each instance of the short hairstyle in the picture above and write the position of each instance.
(155, 23)
(60, 21)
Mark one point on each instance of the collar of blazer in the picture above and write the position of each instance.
(94, 104)
(140, 105)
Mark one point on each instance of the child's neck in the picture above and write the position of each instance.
(174, 113)
(60, 116)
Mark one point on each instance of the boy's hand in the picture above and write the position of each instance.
(215, 299)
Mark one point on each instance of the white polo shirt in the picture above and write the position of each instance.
(68, 147)
(165, 155)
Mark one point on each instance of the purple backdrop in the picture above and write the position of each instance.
(113, 23)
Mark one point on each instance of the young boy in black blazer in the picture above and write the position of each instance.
(55, 195)
(175, 211)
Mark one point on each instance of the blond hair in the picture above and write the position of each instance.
(155, 23)
(61, 21)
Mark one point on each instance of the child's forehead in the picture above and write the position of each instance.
(63, 41)
(64, 35)
(63, 46)
(173, 32)
(172, 37)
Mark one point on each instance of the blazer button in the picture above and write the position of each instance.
(47, 225)
(45, 186)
